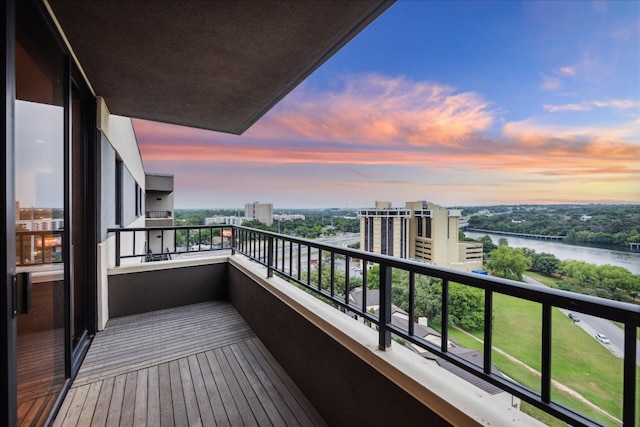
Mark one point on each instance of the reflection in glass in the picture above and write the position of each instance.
(40, 205)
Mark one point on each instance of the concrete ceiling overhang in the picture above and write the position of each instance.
(218, 65)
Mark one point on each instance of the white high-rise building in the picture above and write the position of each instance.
(262, 212)
(422, 231)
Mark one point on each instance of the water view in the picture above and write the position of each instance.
(563, 251)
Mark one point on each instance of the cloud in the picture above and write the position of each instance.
(621, 104)
(566, 107)
(569, 70)
(550, 83)
(376, 130)
(379, 109)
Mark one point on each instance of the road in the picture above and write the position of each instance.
(593, 325)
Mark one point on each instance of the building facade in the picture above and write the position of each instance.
(262, 212)
(422, 231)
(226, 220)
(158, 210)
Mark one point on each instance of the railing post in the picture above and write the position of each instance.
(488, 330)
(117, 248)
(270, 256)
(444, 333)
(545, 389)
(384, 319)
(629, 376)
(233, 240)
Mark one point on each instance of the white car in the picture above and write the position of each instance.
(603, 338)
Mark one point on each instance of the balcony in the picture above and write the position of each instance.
(268, 286)
(158, 214)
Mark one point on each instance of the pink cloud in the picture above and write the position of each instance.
(379, 109)
(380, 121)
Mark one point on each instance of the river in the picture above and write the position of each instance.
(563, 251)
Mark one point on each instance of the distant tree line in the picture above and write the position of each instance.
(613, 225)
(315, 224)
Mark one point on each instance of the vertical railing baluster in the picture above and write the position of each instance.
(412, 301)
(488, 330)
(291, 258)
(308, 265)
(299, 255)
(118, 248)
(629, 400)
(444, 334)
(42, 246)
(346, 279)
(133, 250)
(384, 319)
(319, 269)
(270, 256)
(545, 388)
(365, 285)
(332, 282)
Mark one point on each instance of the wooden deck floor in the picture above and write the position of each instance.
(188, 366)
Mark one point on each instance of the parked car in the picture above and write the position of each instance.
(603, 338)
(574, 317)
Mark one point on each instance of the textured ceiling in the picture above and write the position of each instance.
(216, 65)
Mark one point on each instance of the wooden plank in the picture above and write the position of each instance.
(232, 410)
(302, 400)
(129, 400)
(179, 408)
(140, 408)
(189, 394)
(235, 390)
(166, 402)
(200, 389)
(272, 387)
(153, 397)
(23, 409)
(89, 406)
(64, 408)
(213, 393)
(263, 408)
(115, 405)
(104, 400)
(73, 415)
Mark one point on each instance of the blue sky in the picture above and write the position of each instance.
(459, 103)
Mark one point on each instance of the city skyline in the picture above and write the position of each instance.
(426, 103)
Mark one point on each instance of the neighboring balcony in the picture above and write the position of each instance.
(338, 370)
(158, 214)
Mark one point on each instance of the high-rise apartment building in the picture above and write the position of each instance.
(422, 231)
(262, 212)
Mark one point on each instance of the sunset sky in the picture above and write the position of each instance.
(458, 103)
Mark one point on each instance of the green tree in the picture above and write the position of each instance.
(509, 263)
(545, 263)
(487, 244)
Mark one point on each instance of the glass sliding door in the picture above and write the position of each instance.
(40, 209)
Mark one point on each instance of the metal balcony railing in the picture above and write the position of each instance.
(38, 247)
(295, 259)
(164, 243)
(158, 214)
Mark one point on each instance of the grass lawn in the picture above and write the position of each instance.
(578, 360)
(551, 282)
